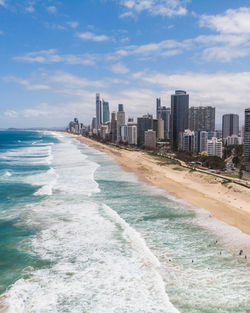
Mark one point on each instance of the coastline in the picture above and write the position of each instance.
(226, 202)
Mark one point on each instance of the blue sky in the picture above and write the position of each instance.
(55, 55)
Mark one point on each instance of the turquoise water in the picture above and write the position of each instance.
(78, 234)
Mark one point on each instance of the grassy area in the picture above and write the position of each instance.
(164, 160)
(178, 169)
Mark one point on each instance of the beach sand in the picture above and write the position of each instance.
(229, 202)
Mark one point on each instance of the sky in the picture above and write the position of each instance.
(56, 55)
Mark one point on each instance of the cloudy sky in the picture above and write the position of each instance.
(55, 55)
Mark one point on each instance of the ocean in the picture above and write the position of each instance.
(79, 234)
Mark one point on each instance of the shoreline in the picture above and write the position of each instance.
(226, 202)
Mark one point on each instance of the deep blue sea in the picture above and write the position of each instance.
(80, 235)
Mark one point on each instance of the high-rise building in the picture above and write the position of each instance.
(120, 108)
(230, 125)
(214, 147)
(98, 110)
(144, 123)
(93, 123)
(120, 121)
(165, 116)
(105, 110)
(163, 113)
(201, 138)
(158, 108)
(132, 134)
(113, 127)
(158, 127)
(187, 141)
(124, 133)
(179, 116)
(150, 139)
(202, 118)
(247, 139)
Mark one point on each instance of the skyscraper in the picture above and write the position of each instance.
(247, 139)
(106, 114)
(230, 125)
(113, 127)
(202, 118)
(158, 108)
(144, 123)
(98, 110)
(165, 116)
(120, 108)
(179, 116)
(163, 113)
(158, 127)
(120, 121)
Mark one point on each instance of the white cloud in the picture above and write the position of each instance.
(11, 114)
(51, 9)
(93, 37)
(119, 68)
(51, 56)
(231, 40)
(226, 91)
(231, 22)
(73, 24)
(163, 48)
(67, 80)
(26, 83)
(30, 9)
(154, 7)
(3, 3)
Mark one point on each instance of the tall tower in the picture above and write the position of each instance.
(120, 121)
(98, 110)
(158, 108)
(105, 109)
(230, 125)
(179, 116)
(247, 139)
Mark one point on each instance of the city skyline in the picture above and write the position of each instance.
(61, 54)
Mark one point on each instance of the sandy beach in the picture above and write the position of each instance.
(227, 202)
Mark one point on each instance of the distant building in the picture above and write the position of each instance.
(98, 110)
(158, 108)
(132, 134)
(233, 140)
(158, 127)
(113, 127)
(120, 108)
(247, 139)
(150, 139)
(202, 118)
(144, 123)
(93, 125)
(214, 147)
(163, 113)
(201, 138)
(230, 125)
(179, 116)
(120, 121)
(187, 141)
(104, 131)
(124, 133)
(105, 109)
(216, 133)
